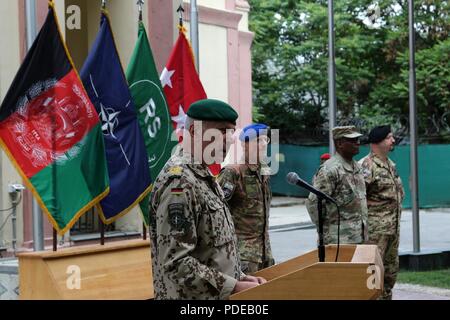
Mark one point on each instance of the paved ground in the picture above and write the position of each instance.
(293, 234)
(403, 291)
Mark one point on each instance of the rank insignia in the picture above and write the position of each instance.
(175, 171)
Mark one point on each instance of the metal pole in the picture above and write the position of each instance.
(30, 11)
(102, 233)
(14, 228)
(331, 75)
(55, 240)
(38, 223)
(321, 247)
(144, 232)
(413, 130)
(194, 33)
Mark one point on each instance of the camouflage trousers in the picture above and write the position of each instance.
(388, 246)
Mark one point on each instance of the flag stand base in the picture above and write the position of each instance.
(116, 270)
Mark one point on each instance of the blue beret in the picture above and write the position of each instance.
(212, 110)
(253, 131)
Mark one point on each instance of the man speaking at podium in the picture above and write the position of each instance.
(194, 253)
(341, 178)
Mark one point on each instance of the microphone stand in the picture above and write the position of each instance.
(293, 178)
(321, 247)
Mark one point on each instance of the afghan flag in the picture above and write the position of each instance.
(182, 85)
(151, 107)
(128, 169)
(52, 133)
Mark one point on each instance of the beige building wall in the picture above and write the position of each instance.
(9, 64)
(213, 60)
(10, 56)
(216, 4)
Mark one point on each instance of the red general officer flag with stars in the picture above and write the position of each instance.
(182, 85)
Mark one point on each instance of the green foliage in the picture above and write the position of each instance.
(438, 278)
(290, 60)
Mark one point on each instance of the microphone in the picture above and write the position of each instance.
(294, 179)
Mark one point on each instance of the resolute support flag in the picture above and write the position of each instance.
(52, 133)
(105, 82)
(151, 108)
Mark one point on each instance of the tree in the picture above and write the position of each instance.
(290, 58)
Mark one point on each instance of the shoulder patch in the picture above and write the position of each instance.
(176, 217)
(228, 189)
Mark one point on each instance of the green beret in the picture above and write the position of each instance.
(212, 110)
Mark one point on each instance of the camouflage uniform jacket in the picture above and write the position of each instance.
(384, 194)
(194, 253)
(344, 182)
(248, 193)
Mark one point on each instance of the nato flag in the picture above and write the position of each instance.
(105, 82)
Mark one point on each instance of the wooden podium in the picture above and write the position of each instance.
(117, 270)
(358, 275)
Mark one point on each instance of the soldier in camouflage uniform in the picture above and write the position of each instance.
(194, 253)
(341, 178)
(247, 190)
(384, 200)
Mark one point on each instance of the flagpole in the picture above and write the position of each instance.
(413, 129)
(194, 33)
(55, 240)
(102, 225)
(102, 232)
(331, 76)
(140, 3)
(144, 232)
(38, 221)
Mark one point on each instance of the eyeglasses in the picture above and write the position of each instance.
(264, 139)
(352, 140)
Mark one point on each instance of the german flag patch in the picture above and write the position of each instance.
(176, 190)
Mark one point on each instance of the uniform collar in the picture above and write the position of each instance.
(254, 167)
(188, 159)
(201, 170)
(259, 169)
(378, 161)
(348, 166)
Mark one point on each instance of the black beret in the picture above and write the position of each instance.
(379, 133)
(212, 110)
